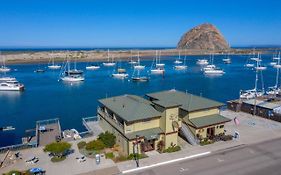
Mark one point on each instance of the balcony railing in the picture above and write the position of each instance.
(110, 120)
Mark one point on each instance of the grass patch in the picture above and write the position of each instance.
(139, 156)
(81, 144)
(172, 149)
(109, 155)
(58, 159)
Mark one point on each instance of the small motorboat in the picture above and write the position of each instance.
(4, 69)
(202, 62)
(54, 67)
(140, 79)
(11, 85)
(39, 71)
(157, 71)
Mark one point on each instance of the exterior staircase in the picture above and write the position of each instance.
(185, 131)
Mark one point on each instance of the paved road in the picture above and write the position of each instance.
(258, 159)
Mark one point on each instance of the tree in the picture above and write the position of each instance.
(95, 145)
(57, 148)
(108, 139)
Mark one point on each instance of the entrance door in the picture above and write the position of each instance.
(210, 131)
(148, 145)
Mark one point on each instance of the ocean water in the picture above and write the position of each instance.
(46, 98)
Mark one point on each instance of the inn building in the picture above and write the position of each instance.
(159, 117)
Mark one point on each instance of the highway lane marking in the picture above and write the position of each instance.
(166, 162)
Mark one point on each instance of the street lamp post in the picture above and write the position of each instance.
(136, 152)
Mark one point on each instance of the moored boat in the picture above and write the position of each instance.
(11, 85)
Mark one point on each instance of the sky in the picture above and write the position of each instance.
(134, 23)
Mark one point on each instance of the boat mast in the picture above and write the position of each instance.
(277, 72)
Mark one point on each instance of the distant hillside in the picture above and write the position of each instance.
(205, 36)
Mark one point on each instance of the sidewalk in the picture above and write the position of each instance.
(252, 129)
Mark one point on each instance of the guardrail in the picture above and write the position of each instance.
(17, 147)
(89, 119)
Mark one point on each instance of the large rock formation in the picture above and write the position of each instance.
(204, 36)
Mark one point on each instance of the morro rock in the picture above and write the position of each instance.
(205, 37)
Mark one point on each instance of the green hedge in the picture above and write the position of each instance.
(95, 145)
(109, 155)
(172, 149)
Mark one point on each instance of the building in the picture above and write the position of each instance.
(158, 118)
(201, 115)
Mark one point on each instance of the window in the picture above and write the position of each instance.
(221, 126)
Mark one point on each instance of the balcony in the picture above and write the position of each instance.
(110, 119)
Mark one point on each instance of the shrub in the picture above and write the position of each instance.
(121, 158)
(172, 149)
(139, 156)
(95, 145)
(57, 148)
(13, 172)
(109, 155)
(58, 159)
(108, 139)
(206, 141)
(226, 137)
(81, 144)
(160, 146)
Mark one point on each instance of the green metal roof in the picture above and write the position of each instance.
(262, 104)
(208, 120)
(188, 102)
(130, 107)
(149, 134)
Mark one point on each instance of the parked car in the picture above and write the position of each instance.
(97, 159)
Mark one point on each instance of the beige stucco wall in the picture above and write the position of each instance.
(171, 139)
(203, 132)
(203, 113)
(139, 126)
(170, 115)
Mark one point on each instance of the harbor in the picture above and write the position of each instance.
(52, 98)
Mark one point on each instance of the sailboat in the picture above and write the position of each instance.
(157, 69)
(131, 59)
(4, 68)
(274, 90)
(212, 69)
(53, 66)
(253, 93)
(158, 61)
(92, 67)
(73, 75)
(120, 73)
(178, 60)
(227, 60)
(139, 78)
(139, 66)
(249, 63)
(181, 66)
(259, 67)
(109, 63)
(275, 60)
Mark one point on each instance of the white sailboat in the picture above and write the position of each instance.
(211, 69)
(131, 59)
(202, 62)
(249, 63)
(53, 66)
(253, 93)
(178, 60)
(92, 67)
(275, 60)
(139, 66)
(120, 73)
(259, 67)
(109, 63)
(157, 69)
(227, 60)
(4, 68)
(158, 61)
(73, 75)
(274, 90)
(181, 66)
